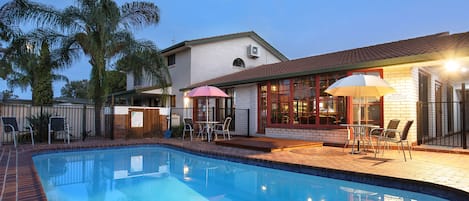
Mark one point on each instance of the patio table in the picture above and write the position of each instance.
(209, 125)
(360, 131)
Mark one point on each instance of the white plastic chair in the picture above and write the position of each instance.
(188, 127)
(223, 128)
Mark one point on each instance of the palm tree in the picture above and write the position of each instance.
(101, 30)
(33, 70)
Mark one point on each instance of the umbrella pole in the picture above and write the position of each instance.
(206, 119)
(359, 122)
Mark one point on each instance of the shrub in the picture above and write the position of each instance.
(39, 124)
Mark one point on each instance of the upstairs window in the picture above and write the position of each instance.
(238, 62)
(171, 59)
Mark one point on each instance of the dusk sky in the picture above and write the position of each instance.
(299, 28)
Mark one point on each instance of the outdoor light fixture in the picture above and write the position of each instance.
(452, 66)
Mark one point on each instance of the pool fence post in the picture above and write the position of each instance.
(463, 116)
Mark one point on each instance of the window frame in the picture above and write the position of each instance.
(171, 60)
(240, 61)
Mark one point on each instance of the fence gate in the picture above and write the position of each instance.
(443, 123)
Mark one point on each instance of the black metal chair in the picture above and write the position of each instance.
(399, 138)
(10, 127)
(57, 126)
(390, 130)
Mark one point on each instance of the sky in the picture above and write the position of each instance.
(297, 28)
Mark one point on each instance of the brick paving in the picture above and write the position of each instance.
(18, 180)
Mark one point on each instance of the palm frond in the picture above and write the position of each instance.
(18, 11)
(139, 14)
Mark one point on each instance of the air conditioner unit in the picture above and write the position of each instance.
(253, 51)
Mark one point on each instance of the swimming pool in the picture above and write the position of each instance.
(160, 173)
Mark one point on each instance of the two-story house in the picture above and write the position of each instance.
(194, 61)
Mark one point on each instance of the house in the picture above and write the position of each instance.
(287, 99)
(194, 61)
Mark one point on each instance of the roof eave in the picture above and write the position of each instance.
(362, 65)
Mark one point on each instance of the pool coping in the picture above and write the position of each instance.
(438, 190)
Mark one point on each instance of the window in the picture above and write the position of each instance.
(137, 81)
(302, 101)
(280, 98)
(332, 109)
(171, 59)
(371, 107)
(238, 63)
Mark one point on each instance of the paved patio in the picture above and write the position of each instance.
(19, 181)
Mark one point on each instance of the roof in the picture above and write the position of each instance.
(252, 34)
(426, 48)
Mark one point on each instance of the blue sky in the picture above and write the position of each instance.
(297, 28)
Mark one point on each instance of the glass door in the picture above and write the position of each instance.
(262, 113)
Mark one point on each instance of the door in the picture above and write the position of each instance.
(438, 110)
(450, 108)
(135, 123)
(262, 113)
(422, 115)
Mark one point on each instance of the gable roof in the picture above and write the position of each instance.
(252, 34)
(426, 48)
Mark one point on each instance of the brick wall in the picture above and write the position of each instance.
(402, 105)
(335, 136)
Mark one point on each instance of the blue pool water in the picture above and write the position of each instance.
(159, 173)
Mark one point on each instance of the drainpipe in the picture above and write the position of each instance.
(248, 123)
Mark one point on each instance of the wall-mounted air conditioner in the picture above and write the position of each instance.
(253, 51)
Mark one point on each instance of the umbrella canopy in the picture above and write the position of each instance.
(360, 86)
(207, 91)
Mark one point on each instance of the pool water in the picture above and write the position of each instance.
(159, 173)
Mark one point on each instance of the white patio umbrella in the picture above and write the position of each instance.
(360, 86)
(207, 92)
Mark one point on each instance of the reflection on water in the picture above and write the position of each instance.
(148, 173)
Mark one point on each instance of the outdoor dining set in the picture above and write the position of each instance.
(207, 129)
(378, 139)
(359, 86)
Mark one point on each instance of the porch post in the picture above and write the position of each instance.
(463, 116)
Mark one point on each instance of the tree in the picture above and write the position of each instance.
(75, 89)
(29, 69)
(115, 81)
(8, 94)
(101, 30)
(43, 93)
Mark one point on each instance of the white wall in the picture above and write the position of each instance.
(246, 98)
(180, 75)
(215, 59)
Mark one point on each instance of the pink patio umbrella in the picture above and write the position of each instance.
(207, 92)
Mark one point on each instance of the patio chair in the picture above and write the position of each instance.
(400, 138)
(188, 127)
(10, 127)
(57, 126)
(223, 128)
(388, 131)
